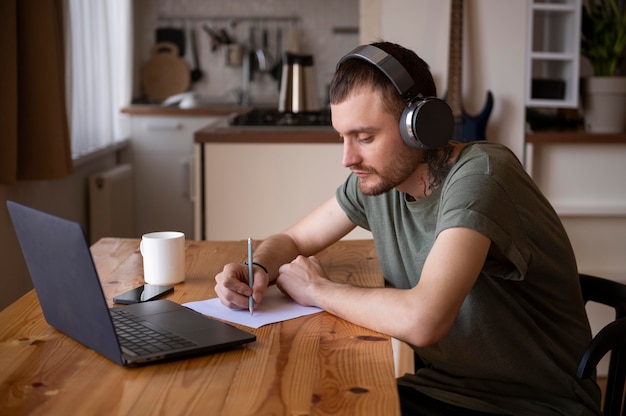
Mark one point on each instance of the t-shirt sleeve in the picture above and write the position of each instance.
(478, 201)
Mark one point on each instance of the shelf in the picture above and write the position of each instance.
(580, 210)
(552, 56)
(574, 137)
(554, 7)
(552, 51)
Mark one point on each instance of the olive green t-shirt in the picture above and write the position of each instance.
(520, 333)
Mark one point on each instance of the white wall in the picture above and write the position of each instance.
(493, 57)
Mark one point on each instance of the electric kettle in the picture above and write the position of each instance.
(298, 86)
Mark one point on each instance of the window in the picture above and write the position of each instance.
(98, 71)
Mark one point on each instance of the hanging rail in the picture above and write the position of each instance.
(232, 19)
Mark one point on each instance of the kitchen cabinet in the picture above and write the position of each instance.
(162, 149)
(256, 182)
(258, 189)
(553, 53)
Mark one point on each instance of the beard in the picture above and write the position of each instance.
(398, 171)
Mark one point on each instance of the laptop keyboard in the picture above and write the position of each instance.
(141, 338)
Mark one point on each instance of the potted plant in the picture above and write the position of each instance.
(603, 42)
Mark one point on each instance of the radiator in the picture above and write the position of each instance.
(111, 203)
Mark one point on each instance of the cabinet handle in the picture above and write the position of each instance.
(163, 125)
(192, 178)
(187, 178)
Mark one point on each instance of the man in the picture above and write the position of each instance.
(481, 277)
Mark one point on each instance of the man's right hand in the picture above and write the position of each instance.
(231, 285)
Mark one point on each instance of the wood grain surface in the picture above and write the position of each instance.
(314, 365)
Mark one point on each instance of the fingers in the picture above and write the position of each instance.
(231, 286)
(261, 281)
(233, 290)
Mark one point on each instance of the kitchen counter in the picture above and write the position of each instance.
(222, 132)
(157, 110)
(574, 137)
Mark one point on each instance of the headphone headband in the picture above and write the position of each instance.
(390, 66)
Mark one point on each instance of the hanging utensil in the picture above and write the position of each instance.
(225, 37)
(216, 40)
(276, 70)
(172, 34)
(265, 51)
(252, 63)
(196, 72)
(165, 73)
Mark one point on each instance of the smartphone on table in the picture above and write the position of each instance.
(143, 293)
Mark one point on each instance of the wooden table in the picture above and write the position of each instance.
(313, 365)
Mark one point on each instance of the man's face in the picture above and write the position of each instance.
(372, 146)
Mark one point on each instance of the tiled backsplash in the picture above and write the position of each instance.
(324, 28)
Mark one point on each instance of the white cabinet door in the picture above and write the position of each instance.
(255, 190)
(162, 153)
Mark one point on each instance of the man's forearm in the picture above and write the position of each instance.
(275, 251)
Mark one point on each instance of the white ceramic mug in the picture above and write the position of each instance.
(163, 257)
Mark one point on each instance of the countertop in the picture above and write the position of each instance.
(158, 110)
(222, 132)
(574, 137)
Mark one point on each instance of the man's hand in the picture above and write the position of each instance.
(300, 278)
(231, 285)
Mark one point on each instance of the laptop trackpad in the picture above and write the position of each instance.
(196, 327)
(181, 321)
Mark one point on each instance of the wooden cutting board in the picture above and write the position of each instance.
(165, 73)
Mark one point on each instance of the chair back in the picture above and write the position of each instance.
(611, 338)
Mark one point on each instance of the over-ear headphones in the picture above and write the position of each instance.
(426, 122)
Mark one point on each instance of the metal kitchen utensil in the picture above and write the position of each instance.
(278, 62)
(216, 38)
(298, 85)
(196, 72)
(264, 56)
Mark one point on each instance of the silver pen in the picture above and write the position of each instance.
(250, 275)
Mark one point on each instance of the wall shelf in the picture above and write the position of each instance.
(574, 137)
(553, 53)
(231, 19)
(584, 210)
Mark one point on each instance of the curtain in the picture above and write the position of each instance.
(66, 72)
(34, 134)
(100, 69)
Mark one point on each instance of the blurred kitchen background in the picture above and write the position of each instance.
(325, 29)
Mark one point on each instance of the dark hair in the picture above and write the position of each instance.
(354, 74)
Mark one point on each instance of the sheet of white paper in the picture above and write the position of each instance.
(276, 307)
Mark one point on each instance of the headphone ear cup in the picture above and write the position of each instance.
(427, 123)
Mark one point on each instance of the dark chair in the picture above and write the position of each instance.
(611, 338)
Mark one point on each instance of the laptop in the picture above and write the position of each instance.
(68, 287)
